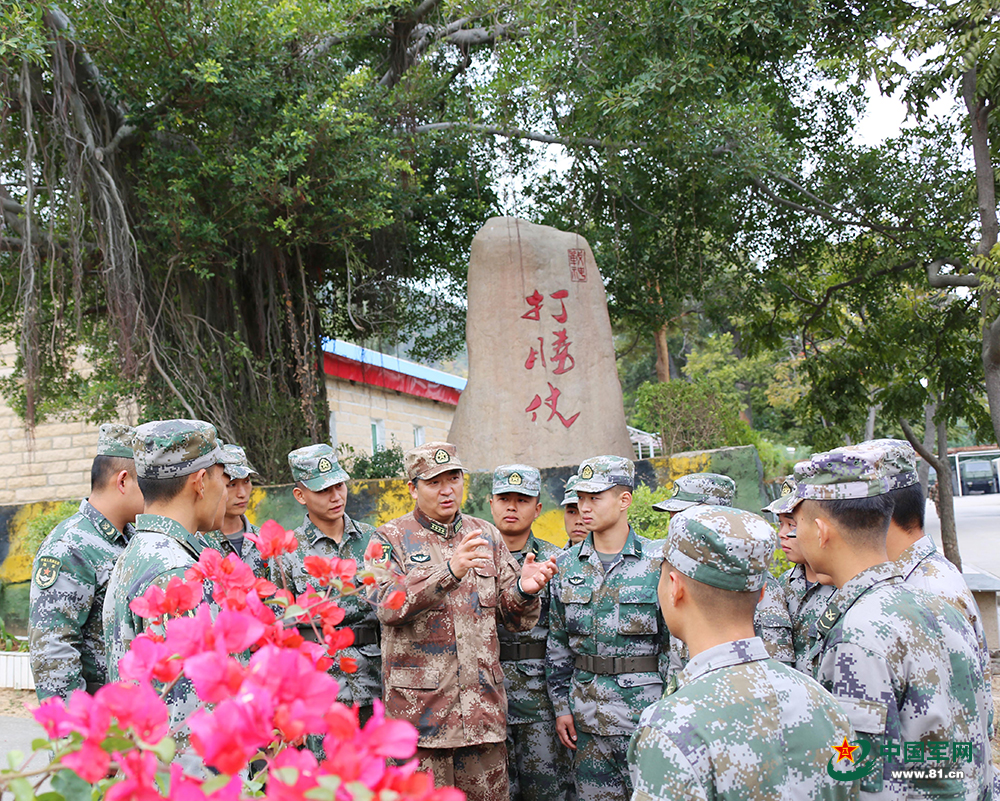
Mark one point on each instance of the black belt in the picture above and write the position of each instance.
(516, 651)
(616, 665)
(362, 635)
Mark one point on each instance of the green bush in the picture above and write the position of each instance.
(385, 463)
(39, 527)
(643, 517)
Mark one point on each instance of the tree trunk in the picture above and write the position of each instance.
(870, 422)
(991, 369)
(923, 467)
(662, 355)
(946, 500)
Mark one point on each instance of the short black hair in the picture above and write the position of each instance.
(908, 507)
(105, 468)
(161, 490)
(727, 604)
(863, 521)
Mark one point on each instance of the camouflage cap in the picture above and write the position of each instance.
(900, 460)
(174, 448)
(720, 546)
(699, 488)
(241, 468)
(517, 478)
(855, 471)
(431, 459)
(604, 472)
(115, 439)
(785, 502)
(316, 467)
(569, 491)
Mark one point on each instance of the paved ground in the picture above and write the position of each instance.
(978, 524)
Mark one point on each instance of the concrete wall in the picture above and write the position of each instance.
(377, 501)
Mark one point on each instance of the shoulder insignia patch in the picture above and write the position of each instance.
(47, 572)
(421, 557)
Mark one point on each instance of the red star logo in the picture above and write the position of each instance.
(845, 751)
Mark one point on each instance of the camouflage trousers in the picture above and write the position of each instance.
(539, 765)
(479, 771)
(601, 767)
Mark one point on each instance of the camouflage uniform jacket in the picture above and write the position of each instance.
(248, 553)
(440, 651)
(772, 624)
(364, 685)
(806, 602)
(742, 727)
(65, 626)
(904, 664)
(524, 679)
(161, 549)
(613, 614)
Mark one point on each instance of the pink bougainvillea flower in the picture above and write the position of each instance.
(137, 707)
(300, 693)
(395, 599)
(179, 597)
(327, 570)
(342, 721)
(293, 774)
(215, 675)
(139, 768)
(231, 733)
(388, 738)
(80, 714)
(186, 788)
(348, 664)
(338, 639)
(273, 540)
(90, 763)
(231, 631)
(149, 658)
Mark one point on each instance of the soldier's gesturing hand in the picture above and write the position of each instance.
(535, 575)
(467, 556)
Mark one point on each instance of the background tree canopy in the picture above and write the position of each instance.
(196, 193)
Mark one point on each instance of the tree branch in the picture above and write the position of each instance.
(832, 290)
(520, 133)
(925, 453)
(939, 280)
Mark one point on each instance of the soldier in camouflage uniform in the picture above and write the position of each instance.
(180, 465)
(771, 620)
(918, 560)
(231, 538)
(805, 596)
(539, 766)
(606, 658)
(903, 663)
(738, 725)
(71, 572)
(328, 531)
(575, 531)
(440, 652)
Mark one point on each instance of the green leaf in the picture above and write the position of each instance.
(216, 782)
(72, 787)
(22, 790)
(165, 749)
(14, 759)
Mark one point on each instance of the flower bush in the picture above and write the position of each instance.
(262, 689)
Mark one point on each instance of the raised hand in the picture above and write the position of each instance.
(467, 557)
(535, 575)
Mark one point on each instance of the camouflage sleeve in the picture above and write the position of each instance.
(558, 656)
(773, 624)
(660, 770)
(424, 588)
(518, 611)
(56, 616)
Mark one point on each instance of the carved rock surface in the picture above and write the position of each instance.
(543, 387)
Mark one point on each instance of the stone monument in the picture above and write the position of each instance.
(543, 387)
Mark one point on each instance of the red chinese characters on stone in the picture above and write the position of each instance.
(577, 265)
(552, 401)
(535, 301)
(534, 354)
(560, 353)
(561, 296)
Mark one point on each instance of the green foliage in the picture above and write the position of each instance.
(644, 519)
(21, 34)
(779, 564)
(384, 463)
(39, 527)
(8, 642)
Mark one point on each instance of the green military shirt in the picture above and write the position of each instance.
(161, 549)
(248, 552)
(741, 727)
(806, 601)
(606, 614)
(364, 685)
(524, 672)
(68, 584)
